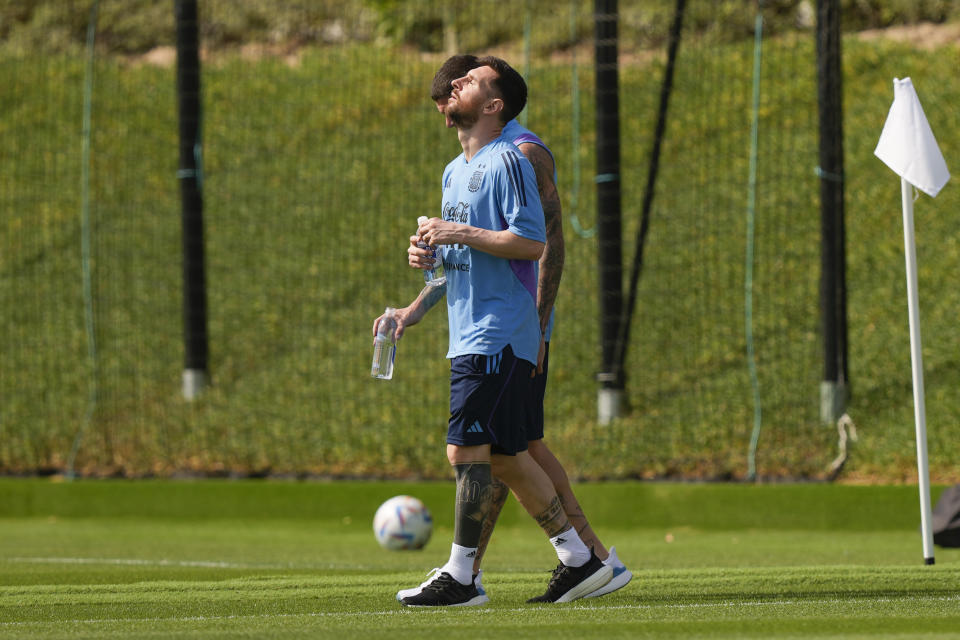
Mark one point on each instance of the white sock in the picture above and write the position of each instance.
(570, 548)
(460, 564)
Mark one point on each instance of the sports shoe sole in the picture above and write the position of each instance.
(406, 593)
(618, 581)
(472, 602)
(591, 583)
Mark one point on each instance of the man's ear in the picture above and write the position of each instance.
(495, 105)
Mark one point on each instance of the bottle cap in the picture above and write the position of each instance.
(389, 322)
(422, 219)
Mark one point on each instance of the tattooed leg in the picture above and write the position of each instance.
(558, 476)
(498, 492)
(474, 500)
(553, 520)
(532, 487)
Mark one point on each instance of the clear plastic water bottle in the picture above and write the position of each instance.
(385, 346)
(435, 276)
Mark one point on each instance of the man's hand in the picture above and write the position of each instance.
(502, 244)
(436, 232)
(419, 257)
(538, 370)
(401, 317)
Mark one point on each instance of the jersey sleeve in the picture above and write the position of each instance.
(519, 199)
(446, 176)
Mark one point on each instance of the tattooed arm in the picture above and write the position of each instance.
(414, 312)
(551, 262)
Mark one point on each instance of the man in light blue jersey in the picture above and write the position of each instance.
(489, 236)
(550, 269)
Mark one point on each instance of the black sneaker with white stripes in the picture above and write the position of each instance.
(445, 591)
(570, 583)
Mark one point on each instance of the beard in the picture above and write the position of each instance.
(462, 119)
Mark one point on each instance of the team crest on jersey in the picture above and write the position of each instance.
(476, 179)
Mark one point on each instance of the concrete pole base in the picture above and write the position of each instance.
(609, 404)
(833, 401)
(194, 382)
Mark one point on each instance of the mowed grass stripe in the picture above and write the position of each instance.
(341, 594)
(905, 606)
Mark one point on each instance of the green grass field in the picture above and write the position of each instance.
(281, 559)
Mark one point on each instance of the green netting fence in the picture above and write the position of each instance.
(320, 149)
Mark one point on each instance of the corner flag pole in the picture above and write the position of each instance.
(908, 147)
(916, 360)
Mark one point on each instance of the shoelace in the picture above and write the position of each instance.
(555, 577)
(441, 582)
(430, 574)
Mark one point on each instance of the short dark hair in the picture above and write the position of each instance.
(510, 84)
(455, 67)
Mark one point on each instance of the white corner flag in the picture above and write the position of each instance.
(907, 144)
(908, 147)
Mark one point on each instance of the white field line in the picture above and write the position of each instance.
(206, 564)
(133, 562)
(441, 610)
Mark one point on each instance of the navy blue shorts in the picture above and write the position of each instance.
(490, 402)
(538, 389)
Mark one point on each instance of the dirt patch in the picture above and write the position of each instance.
(164, 57)
(925, 35)
(289, 53)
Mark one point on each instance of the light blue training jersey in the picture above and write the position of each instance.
(518, 134)
(491, 302)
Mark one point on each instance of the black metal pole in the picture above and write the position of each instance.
(611, 376)
(196, 351)
(623, 337)
(833, 303)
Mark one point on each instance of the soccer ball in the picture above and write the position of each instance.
(402, 522)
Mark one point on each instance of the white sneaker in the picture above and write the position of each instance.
(479, 585)
(621, 576)
(406, 593)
